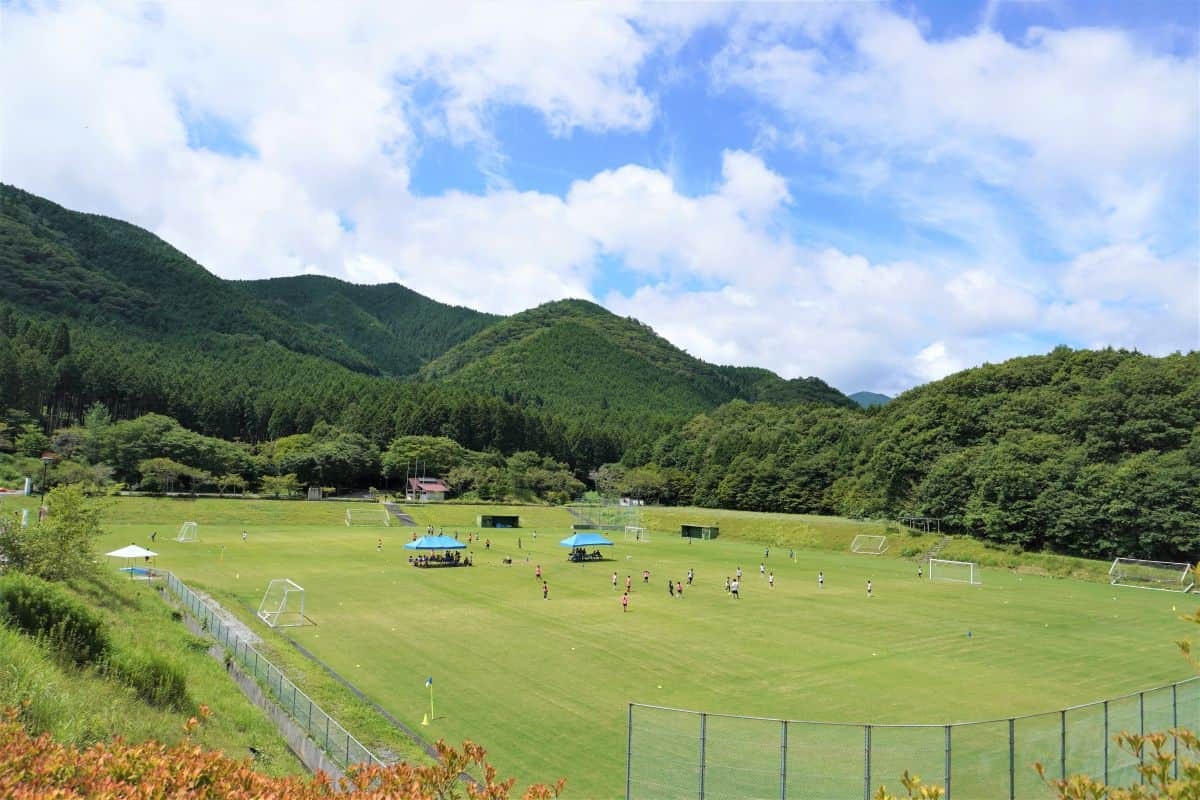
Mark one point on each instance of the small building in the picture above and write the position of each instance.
(498, 521)
(425, 490)
(699, 531)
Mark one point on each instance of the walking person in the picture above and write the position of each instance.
(538, 572)
(679, 588)
(918, 572)
(762, 569)
(691, 574)
(739, 573)
(868, 587)
(614, 581)
(243, 534)
(726, 584)
(734, 587)
(670, 587)
(153, 536)
(624, 602)
(628, 584)
(545, 591)
(820, 580)
(771, 580)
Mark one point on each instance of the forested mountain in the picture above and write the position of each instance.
(573, 354)
(870, 399)
(390, 325)
(101, 271)
(1088, 452)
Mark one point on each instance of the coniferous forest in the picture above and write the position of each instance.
(134, 365)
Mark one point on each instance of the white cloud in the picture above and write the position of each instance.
(1082, 125)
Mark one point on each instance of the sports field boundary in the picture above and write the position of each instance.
(321, 728)
(714, 753)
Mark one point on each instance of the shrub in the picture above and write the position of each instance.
(43, 610)
(909, 552)
(155, 679)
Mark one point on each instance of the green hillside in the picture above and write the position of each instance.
(103, 271)
(575, 354)
(390, 325)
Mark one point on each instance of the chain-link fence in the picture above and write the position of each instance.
(674, 753)
(323, 729)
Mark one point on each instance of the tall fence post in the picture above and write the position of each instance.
(1106, 741)
(783, 760)
(1175, 723)
(1062, 743)
(1012, 759)
(866, 762)
(703, 735)
(1142, 725)
(629, 753)
(948, 762)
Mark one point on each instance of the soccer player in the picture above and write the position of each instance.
(628, 584)
(762, 568)
(868, 588)
(739, 573)
(679, 588)
(614, 581)
(771, 580)
(645, 576)
(820, 580)
(918, 571)
(691, 575)
(670, 587)
(733, 589)
(379, 546)
(538, 572)
(727, 583)
(243, 535)
(624, 602)
(545, 591)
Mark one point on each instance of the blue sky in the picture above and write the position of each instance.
(876, 194)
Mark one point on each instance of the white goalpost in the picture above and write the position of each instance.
(954, 571)
(188, 532)
(869, 544)
(369, 516)
(1165, 576)
(282, 605)
(633, 533)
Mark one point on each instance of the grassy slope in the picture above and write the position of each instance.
(544, 684)
(79, 707)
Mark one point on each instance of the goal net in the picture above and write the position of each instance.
(1167, 576)
(955, 571)
(282, 605)
(368, 516)
(869, 544)
(635, 534)
(188, 532)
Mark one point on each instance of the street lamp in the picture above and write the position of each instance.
(47, 460)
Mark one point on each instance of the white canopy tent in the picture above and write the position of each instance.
(129, 553)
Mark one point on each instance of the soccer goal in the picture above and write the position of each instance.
(956, 571)
(282, 605)
(1166, 576)
(869, 544)
(370, 516)
(188, 532)
(635, 534)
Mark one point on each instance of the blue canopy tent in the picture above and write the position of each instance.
(579, 543)
(438, 543)
(585, 539)
(435, 543)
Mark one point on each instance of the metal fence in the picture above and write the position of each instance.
(674, 753)
(323, 729)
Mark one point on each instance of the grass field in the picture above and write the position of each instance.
(544, 684)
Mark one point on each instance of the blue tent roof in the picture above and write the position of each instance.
(584, 539)
(436, 543)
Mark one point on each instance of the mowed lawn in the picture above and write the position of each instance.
(545, 684)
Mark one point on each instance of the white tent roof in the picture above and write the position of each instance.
(132, 551)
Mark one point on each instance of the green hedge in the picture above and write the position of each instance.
(43, 610)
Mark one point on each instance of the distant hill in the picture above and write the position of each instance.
(869, 399)
(391, 325)
(573, 353)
